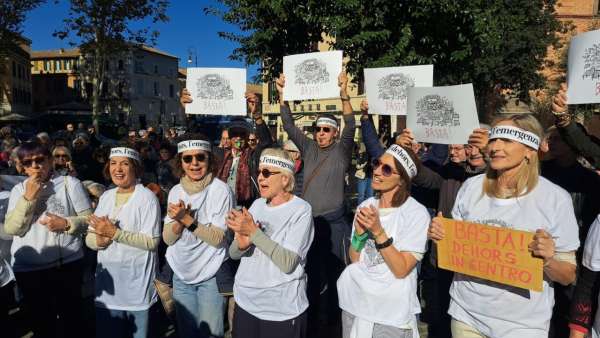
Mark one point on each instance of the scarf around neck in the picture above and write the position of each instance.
(194, 187)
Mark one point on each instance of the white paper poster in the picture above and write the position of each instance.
(216, 91)
(583, 72)
(312, 75)
(445, 115)
(387, 88)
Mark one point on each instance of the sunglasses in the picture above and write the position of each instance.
(252, 140)
(266, 173)
(324, 129)
(29, 162)
(61, 156)
(189, 158)
(386, 169)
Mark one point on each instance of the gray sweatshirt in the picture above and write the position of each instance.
(325, 192)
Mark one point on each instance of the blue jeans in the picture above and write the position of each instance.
(199, 309)
(364, 189)
(120, 323)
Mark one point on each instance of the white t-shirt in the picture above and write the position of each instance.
(260, 287)
(124, 274)
(40, 248)
(498, 310)
(368, 289)
(6, 273)
(591, 260)
(191, 259)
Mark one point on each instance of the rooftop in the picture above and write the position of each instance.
(75, 52)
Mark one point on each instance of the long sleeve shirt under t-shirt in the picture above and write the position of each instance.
(325, 192)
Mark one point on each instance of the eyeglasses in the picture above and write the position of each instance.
(61, 156)
(324, 129)
(266, 173)
(386, 169)
(189, 158)
(29, 162)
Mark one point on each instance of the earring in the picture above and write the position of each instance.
(527, 160)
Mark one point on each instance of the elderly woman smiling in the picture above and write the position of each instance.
(272, 239)
(125, 229)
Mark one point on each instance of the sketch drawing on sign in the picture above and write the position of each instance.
(591, 63)
(394, 86)
(214, 87)
(436, 111)
(311, 72)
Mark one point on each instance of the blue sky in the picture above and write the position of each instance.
(188, 28)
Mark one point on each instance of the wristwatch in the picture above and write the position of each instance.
(385, 244)
(192, 226)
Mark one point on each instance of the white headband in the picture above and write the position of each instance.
(516, 134)
(327, 122)
(402, 156)
(125, 152)
(278, 162)
(193, 145)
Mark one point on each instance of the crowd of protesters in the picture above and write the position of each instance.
(248, 237)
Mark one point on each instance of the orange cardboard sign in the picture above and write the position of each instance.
(488, 252)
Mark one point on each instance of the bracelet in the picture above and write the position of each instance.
(347, 98)
(192, 227)
(359, 241)
(384, 244)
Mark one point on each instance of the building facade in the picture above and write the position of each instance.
(15, 80)
(140, 88)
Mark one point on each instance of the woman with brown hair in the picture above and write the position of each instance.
(378, 291)
(125, 229)
(512, 194)
(195, 232)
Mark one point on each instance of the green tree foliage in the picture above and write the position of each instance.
(102, 28)
(495, 44)
(12, 16)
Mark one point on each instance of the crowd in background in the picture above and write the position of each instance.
(248, 237)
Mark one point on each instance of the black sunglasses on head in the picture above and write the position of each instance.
(325, 129)
(266, 173)
(386, 169)
(28, 162)
(189, 158)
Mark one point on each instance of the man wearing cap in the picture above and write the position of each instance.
(325, 164)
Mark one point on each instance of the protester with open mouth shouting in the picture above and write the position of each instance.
(512, 194)
(195, 232)
(125, 229)
(272, 239)
(378, 292)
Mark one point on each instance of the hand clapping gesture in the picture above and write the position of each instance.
(102, 226)
(241, 222)
(54, 222)
(177, 211)
(368, 218)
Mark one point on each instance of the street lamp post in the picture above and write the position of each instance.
(192, 51)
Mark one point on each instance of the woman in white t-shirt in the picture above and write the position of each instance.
(45, 214)
(195, 232)
(272, 239)
(512, 194)
(378, 291)
(588, 281)
(125, 229)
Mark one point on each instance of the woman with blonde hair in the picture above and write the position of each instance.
(512, 194)
(272, 239)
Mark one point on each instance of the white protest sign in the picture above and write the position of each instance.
(583, 74)
(387, 88)
(445, 115)
(312, 75)
(216, 91)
